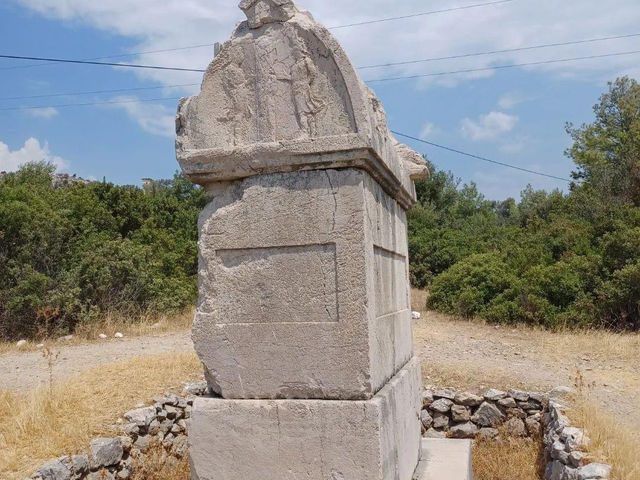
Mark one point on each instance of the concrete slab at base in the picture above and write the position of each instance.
(444, 459)
(376, 439)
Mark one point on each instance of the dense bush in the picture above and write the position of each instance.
(551, 259)
(71, 254)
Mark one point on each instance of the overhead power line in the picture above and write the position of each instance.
(413, 15)
(507, 50)
(120, 55)
(385, 79)
(189, 47)
(499, 67)
(108, 64)
(400, 134)
(478, 157)
(111, 102)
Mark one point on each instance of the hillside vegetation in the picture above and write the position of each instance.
(549, 259)
(75, 254)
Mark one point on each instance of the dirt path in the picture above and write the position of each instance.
(453, 352)
(476, 356)
(23, 371)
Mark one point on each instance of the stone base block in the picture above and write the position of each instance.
(376, 439)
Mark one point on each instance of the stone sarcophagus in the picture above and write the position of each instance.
(303, 322)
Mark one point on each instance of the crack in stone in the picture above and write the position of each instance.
(335, 201)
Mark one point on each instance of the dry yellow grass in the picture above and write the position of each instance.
(509, 459)
(468, 376)
(160, 466)
(110, 324)
(49, 422)
(611, 442)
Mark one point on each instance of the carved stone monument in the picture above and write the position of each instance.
(303, 323)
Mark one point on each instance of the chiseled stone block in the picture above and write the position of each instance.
(303, 322)
(310, 439)
(287, 262)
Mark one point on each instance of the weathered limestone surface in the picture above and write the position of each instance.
(303, 322)
(303, 266)
(311, 439)
(285, 97)
(287, 263)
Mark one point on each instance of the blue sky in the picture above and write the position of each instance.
(515, 116)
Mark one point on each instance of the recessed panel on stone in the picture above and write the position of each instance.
(261, 277)
(303, 323)
(392, 294)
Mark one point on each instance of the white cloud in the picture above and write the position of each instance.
(153, 118)
(32, 151)
(160, 24)
(46, 113)
(511, 100)
(488, 127)
(428, 131)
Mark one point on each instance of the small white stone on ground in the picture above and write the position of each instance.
(102, 336)
(40, 345)
(21, 343)
(415, 315)
(118, 335)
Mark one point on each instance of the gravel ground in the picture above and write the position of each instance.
(453, 353)
(23, 371)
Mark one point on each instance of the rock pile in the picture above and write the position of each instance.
(164, 422)
(564, 449)
(447, 413)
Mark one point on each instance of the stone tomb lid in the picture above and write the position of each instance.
(283, 96)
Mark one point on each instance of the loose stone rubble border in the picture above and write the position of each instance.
(445, 413)
(515, 413)
(163, 423)
(564, 447)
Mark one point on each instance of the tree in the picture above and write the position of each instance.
(607, 151)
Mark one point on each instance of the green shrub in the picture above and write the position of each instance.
(69, 255)
(551, 259)
(470, 284)
(619, 299)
